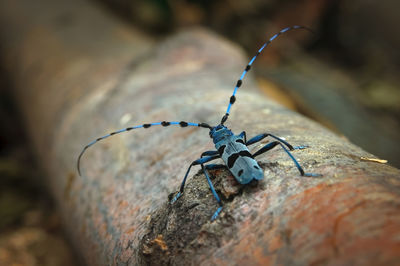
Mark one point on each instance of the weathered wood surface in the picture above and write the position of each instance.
(92, 75)
(333, 97)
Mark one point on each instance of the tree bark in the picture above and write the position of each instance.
(79, 74)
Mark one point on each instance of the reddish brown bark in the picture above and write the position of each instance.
(91, 75)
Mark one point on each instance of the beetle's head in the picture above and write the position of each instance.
(216, 130)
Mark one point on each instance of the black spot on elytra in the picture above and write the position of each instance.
(245, 154)
(232, 159)
(239, 141)
(221, 149)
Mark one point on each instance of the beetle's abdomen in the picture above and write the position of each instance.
(240, 162)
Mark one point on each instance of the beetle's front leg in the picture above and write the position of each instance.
(196, 162)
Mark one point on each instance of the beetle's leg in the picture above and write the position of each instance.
(271, 145)
(243, 136)
(209, 153)
(212, 166)
(196, 162)
(264, 135)
(215, 215)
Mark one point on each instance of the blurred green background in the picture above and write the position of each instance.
(345, 77)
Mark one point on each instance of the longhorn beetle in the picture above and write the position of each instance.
(231, 148)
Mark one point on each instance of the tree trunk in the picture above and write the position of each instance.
(79, 74)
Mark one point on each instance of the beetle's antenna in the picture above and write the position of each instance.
(163, 123)
(240, 80)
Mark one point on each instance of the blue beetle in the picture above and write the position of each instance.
(235, 154)
(231, 148)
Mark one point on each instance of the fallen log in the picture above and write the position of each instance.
(79, 73)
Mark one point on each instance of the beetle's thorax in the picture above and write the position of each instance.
(220, 133)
